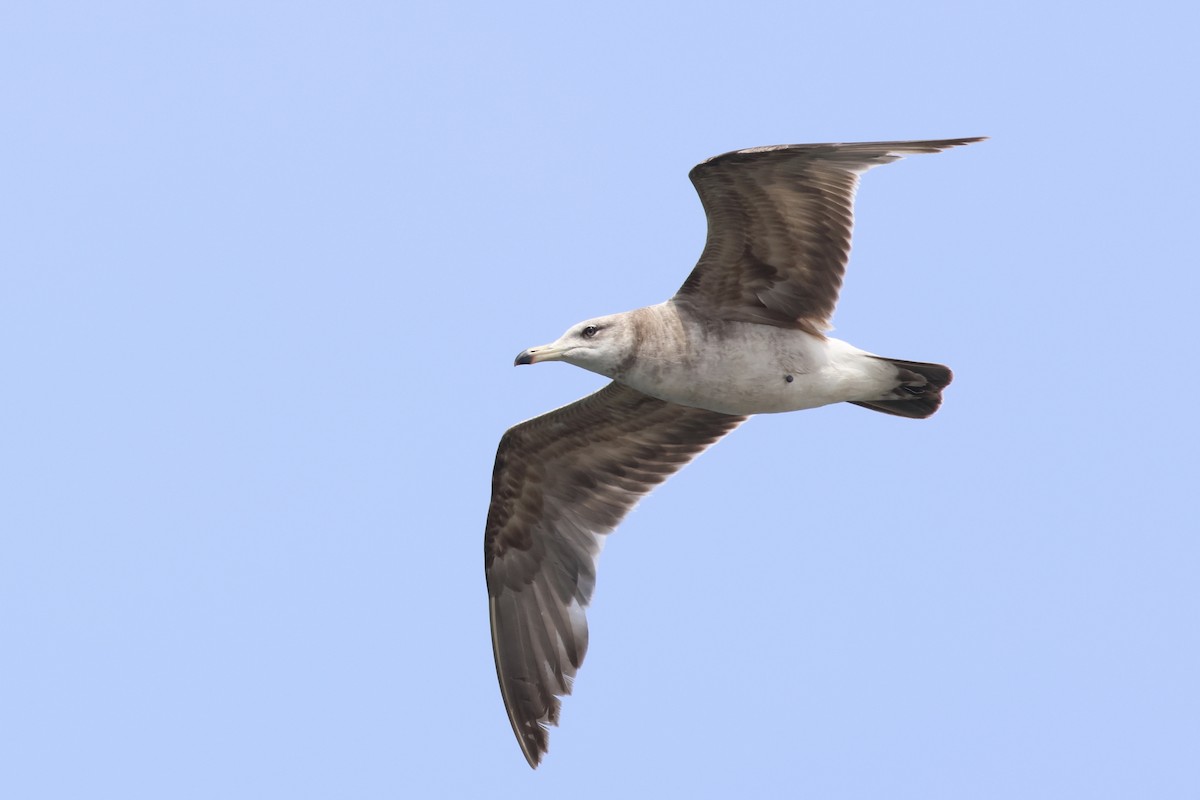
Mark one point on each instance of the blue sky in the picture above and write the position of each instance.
(263, 272)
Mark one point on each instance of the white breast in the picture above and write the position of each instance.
(745, 368)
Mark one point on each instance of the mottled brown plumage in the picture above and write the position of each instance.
(779, 224)
(562, 481)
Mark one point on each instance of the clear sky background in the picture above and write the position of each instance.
(264, 268)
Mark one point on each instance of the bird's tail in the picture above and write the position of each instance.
(918, 390)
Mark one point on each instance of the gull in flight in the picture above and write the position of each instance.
(745, 334)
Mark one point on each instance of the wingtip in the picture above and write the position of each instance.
(934, 145)
(533, 747)
(917, 146)
(533, 743)
(532, 759)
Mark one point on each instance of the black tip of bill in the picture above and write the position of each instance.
(524, 357)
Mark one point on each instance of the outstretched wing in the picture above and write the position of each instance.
(779, 223)
(562, 481)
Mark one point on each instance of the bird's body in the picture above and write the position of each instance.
(736, 367)
(745, 334)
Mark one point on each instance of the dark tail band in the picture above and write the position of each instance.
(918, 391)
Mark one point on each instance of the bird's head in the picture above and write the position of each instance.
(600, 345)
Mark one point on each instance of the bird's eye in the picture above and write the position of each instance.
(590, 331)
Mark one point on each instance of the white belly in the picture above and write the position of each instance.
(744, 368)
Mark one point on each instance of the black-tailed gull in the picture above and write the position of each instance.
(745, 334)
